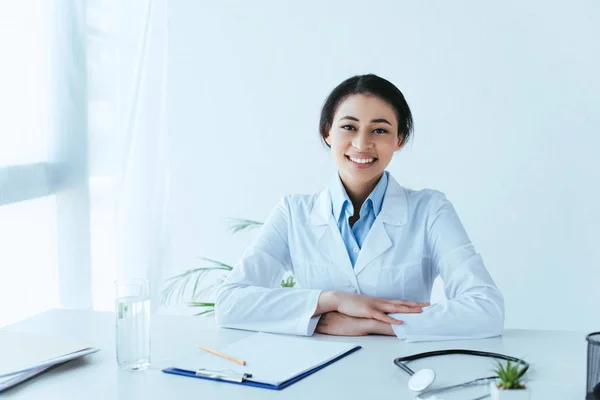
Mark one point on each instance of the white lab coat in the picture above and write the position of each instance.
(416, 237)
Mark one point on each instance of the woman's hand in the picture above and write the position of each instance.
(355, 305)
(335, 323)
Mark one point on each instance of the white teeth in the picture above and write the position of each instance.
(362, 160)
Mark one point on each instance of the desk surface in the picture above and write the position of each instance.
(557, 358)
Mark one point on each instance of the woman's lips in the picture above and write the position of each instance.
(362, 162)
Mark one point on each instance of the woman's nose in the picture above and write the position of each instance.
(362, 141)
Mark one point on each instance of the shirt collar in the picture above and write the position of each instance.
(340, 202)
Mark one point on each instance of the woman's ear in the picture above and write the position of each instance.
(399, 144)
(328, 139)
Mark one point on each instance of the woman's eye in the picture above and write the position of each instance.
(348, 127)
(380, 130)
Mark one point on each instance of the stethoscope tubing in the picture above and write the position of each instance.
(400, 361)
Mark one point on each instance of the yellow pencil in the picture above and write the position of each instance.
(216, 353)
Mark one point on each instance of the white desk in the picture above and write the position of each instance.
(557, 358)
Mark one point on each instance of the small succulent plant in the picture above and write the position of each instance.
(510, 375)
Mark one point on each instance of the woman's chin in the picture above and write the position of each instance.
(360, 175)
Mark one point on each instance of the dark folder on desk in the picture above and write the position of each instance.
(272, 361)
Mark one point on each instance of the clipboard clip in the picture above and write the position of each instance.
(223, 374)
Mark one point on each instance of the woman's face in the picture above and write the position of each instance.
(363, 138)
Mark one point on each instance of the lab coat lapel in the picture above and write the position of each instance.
(376, 242)
(329, 239)
(394, 211)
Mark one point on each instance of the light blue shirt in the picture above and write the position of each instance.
(342, 208)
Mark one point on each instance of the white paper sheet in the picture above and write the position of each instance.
(21, 352)
(271, 359)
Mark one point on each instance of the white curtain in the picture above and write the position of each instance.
(43, 158)
(83, 151)
(127, 57)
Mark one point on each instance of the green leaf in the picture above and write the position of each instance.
(166, 293)
(195, 288)
(220, 265)
(238, 225)
(199, 278)
(181, 287)
(200, 304)
(204, 312)
(175, 287)
(210, 307)
(510, 375)
(522, 372)
(207, 291)
(289, 282)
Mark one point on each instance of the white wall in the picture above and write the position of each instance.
(505, 98)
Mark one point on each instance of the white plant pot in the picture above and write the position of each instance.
(514, 394)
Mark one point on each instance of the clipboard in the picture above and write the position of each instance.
(272, 361)
(237, 379)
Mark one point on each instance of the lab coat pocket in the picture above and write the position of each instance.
(312, 274)
(403, 282)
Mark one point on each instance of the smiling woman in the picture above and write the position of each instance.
(361, 141)
(366, 251)
(363, 147)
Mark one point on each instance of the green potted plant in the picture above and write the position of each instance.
(194, 286)
(510, 383)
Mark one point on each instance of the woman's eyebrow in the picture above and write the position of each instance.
(377, 120)
(381, 120)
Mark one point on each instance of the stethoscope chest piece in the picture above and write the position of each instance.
(421, 380)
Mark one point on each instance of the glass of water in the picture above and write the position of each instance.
(133, 324)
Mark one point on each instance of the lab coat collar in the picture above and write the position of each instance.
(394, 210)
(341, 203)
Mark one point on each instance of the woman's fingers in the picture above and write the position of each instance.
(409, 303)
(359, 306)
(386, 318)
(395, 308)
(391, 307)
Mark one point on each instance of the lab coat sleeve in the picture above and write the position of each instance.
(474, 307)
(252, 298)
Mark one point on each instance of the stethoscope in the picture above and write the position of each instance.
(423, 378)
